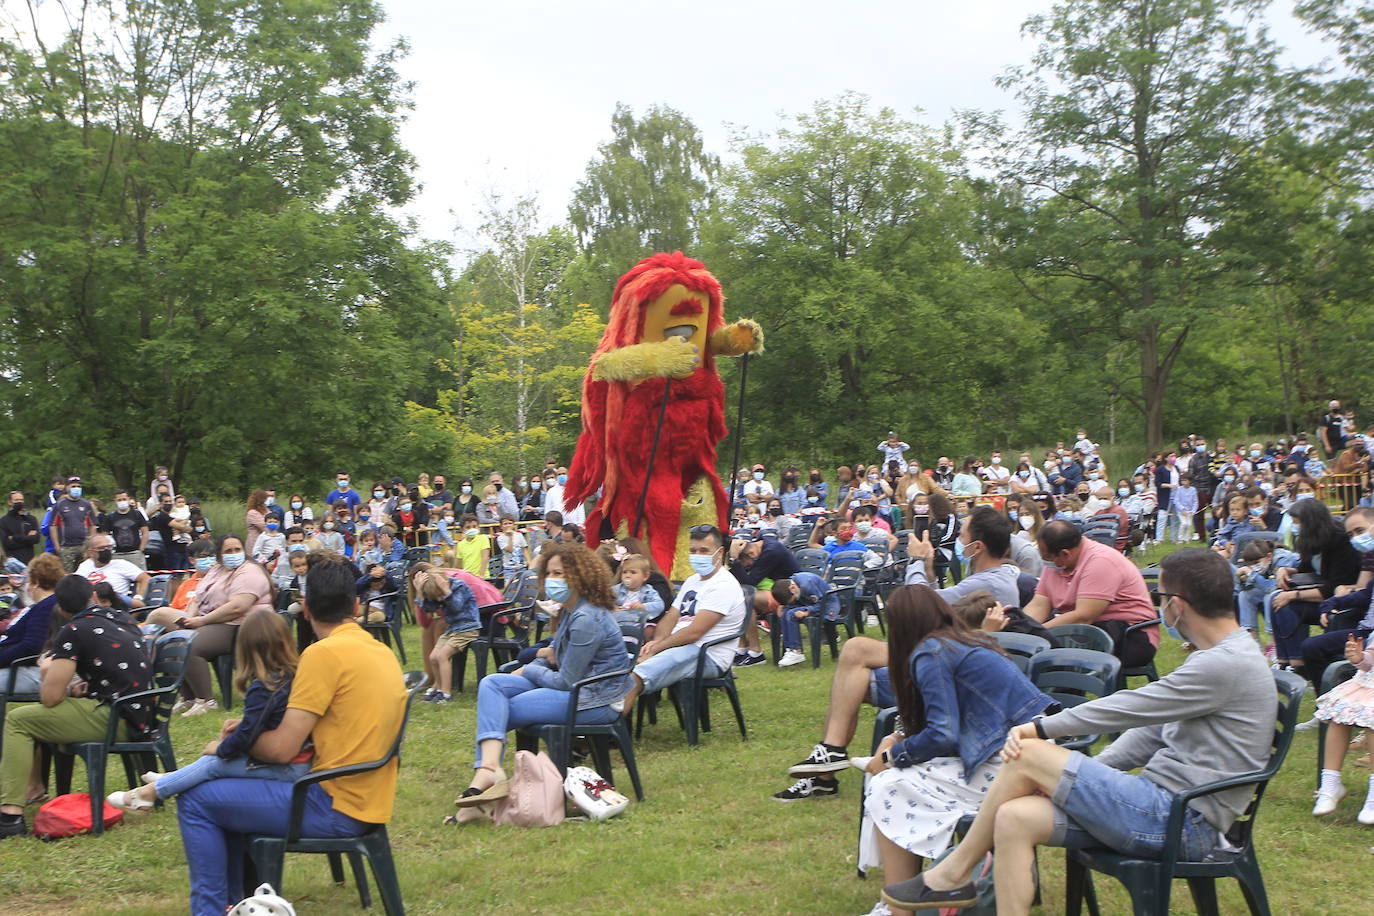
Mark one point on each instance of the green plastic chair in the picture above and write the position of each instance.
(1081, 636)
(1150, 881)
(266, 855)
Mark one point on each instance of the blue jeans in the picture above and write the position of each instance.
(216, 817)
(507, 701)
(880, 688)
(672, 665)
(792, 627)
(213, 766)
(1139, 813)
(1253, 601)
(1291, 624)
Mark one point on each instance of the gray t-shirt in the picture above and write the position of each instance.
(1210, 719)
(1000, 581)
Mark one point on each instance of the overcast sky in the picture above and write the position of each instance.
(517, 94)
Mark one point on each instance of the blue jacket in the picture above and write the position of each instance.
(26, 636)
(1361, 598)
(972, 696)
(773, 562)
(459, 608)
(813, 594)
(262, 711)
(588, 643)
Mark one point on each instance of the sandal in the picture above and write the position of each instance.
(473, 796)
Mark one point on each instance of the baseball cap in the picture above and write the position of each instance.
(758, 467)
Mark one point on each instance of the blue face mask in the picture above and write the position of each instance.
(1256, 511)
(273, 526)
(702, 564)
(557, 589)
(562, 479)
(203, 564)
(1123, 492)
(959, 549)
(830, 540)
(1173, 631)
(1303, 496)
(1364, 543)
(1013, 515)
(76, 492)
(232, 560)
(296, 548)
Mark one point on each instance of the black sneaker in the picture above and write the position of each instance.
(749, 659)
(808, 788)
(16, 827)
(822, 760)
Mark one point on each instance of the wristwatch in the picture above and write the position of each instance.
(887, 758)
(1040, 728)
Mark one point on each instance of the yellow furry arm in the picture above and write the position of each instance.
(658, 359)
(744, 336)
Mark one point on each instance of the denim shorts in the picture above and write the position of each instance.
(1097, 805)
(880, 688)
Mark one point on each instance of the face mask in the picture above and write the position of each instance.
(920, 510)
(1304, 496)
(76, 492)
(270, 501)
(1094, 476)
(343, 484)
(1200, 449)
(959, 549)
(557, 589)
(1138, 487)
(362, 519)
(295, 548)
(813, 499)
(104, 556)
(944, 469)
(405, 507)
(200, 529)
(534, 484)
(775, 511)
(203, 564)
(753, 518)
(1254, 453)
(758, 475)
(1066, 460)
(1228, 479)
(1364, 543)
(1027, 522)
(378, 494)
(448, 520)
(328, 526)
(864, 527)
(1173, 629)
(830, 540)
(702, 564)
(913, 469)
(272, 526)
(1023, 474)
(296, 504)
(562, 478)
(1123, 492)
(996, 460)
(874, 477)
(18, 507)
(469, 533)
(854, 503)
(232, 560)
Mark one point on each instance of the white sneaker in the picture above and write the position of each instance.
(1306, 726)
(860, 763)
(1366, 815)
(200, 708)
(182, 705)
(1327, 802)
(872, 621)
(791, 657)
(879, 910)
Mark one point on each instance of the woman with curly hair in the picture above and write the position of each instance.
(588, 643)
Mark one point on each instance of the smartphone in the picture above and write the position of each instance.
(920, 525)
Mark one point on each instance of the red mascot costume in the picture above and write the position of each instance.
(665, 329)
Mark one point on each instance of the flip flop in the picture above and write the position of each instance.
(128, 801)
(473, 796)
(38, 799)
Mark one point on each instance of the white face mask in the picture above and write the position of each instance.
(996, 460)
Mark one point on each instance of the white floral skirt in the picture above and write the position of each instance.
(918, 807)
(1350, 702)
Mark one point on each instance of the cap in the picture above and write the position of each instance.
(398, 480)
(73, 480)
(759, 467)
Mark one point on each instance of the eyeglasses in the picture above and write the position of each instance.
(701, 531)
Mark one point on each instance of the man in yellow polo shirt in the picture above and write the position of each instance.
(348, 698)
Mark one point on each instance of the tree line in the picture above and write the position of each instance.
(201, 265)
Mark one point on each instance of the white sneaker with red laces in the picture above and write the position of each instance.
(594, 796)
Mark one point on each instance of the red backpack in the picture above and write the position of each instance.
(68, 815)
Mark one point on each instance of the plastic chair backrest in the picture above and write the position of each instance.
(812, 559)
(1023, 645)
(1081, 636)
(845, 572)
(1076, 671)
(169, 664)
(156, 592)
(1289, 689)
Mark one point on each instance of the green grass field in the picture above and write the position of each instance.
(707, 839)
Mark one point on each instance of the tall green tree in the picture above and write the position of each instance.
(200, 267)
(645, 191)
(1139, 117)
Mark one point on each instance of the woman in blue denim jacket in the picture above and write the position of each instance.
(588, 643)
(957, 696)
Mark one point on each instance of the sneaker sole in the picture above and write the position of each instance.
(930, 905)
(788, 801)
(811, 769)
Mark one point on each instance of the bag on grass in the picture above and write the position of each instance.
(69, 815)
(536, 793)
(596, 797)
(264, 902)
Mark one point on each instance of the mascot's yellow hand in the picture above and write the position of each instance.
(744, 336)
(672, 357)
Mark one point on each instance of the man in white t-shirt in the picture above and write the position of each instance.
(127, 580)
(709, 605)
(996, 474)
(758, 490)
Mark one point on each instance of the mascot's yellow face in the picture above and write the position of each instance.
(679, 312)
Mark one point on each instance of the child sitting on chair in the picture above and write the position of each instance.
(801, 596)
(636, 601)
(265, 660)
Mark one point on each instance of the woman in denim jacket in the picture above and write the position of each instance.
(957, 696)
(588, 643)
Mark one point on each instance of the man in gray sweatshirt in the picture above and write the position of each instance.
(1212, 718)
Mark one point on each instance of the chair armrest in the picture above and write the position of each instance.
(1173, 830)
(577, 689)
(1158, 621)
(10, 673)
(113, 725)
(702, 647)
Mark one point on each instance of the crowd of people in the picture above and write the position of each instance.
(950, 554)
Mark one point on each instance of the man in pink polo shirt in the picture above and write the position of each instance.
(1088, 582)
